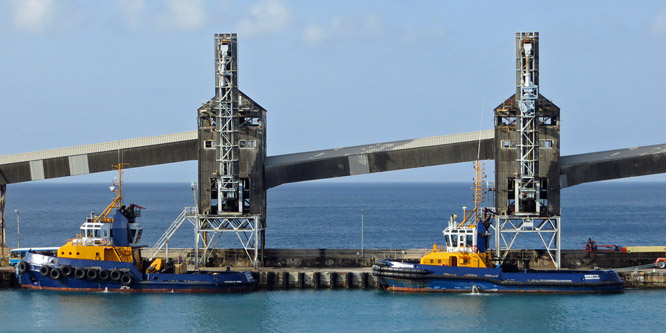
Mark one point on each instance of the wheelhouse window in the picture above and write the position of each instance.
(469, 241)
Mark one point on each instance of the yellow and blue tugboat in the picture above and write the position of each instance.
(106, 256)
(465, 265)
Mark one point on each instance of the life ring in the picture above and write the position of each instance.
(44, 270)
(104, 241)
(23, 266)
(92, 274)
(56, 274)
(475, 249)
(126, 279)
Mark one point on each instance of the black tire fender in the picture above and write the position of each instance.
(92, 274)
(44, 270)
(67, 270)
(103, 275)
(56, 274)
(126, 279)
(23, 266)
(80, 273)
(115, 275)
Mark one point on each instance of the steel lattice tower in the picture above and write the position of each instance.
(226, 103)
(527, 142)
(232, 151)
(527, 92)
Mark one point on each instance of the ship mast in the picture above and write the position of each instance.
(117, 188)
(473, 216)
(479, 189)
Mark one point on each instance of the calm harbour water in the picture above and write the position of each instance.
(327, 215)
(331, 311)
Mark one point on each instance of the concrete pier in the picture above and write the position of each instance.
(341, 278)
(7, 277)
(645, 278)
(334, 259)
(346, 268)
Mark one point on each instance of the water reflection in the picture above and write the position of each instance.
(330, 310)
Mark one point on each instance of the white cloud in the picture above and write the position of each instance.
(366, 28)
(659, 26)
(314, 34)
(266, 16)
(32, 16)
(132, 11)
(185, 14)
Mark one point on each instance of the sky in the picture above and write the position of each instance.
(330, 73)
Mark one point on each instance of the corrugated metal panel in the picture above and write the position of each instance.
(380, 147)
(99, 147)
(358, 165)
(78, 165)
(37, 170)
(610, 155)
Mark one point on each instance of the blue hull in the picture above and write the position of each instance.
(157, 282)
(431, 278)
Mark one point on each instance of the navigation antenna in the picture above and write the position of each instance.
(117, 188)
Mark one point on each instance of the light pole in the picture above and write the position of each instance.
(362, 218)
(18, 228)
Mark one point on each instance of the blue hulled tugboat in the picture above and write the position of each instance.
(106, 256)
(465, 265)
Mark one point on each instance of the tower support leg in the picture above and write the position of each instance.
(3, 194)
(508, 228)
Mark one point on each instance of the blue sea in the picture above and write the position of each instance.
(328, 215)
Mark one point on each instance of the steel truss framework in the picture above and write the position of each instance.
(209, 229)
(527, 131)
(226, 111)
(207, 233)
(548, 229)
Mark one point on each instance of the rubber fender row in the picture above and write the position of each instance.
(400, 275)
(81, 273)
(400, 270)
